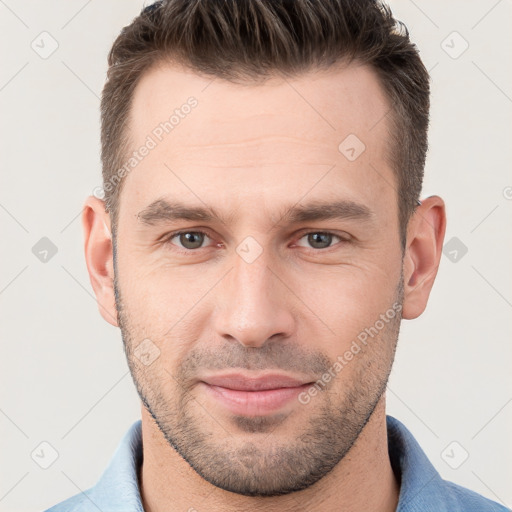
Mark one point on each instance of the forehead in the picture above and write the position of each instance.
(249, 140)
(342, 98)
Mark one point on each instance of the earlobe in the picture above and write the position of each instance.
(425, 235)
(99, 256)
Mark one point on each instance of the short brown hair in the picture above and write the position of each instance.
(251, 40)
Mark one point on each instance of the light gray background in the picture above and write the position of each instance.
(63, 376)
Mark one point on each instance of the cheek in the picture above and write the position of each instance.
(349, 299)
(163, 306)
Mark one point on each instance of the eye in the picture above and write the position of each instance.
(188, 240)
(320, 239)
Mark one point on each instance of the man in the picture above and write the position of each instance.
(260, 240)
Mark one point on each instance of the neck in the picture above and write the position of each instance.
(362, 480)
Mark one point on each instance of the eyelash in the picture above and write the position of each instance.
(167, 240)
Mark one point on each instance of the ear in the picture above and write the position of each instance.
(424, 245)
(99, 256)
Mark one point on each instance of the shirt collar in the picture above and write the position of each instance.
(418, 479)
(117, 489)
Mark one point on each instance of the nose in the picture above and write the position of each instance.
(253, 304)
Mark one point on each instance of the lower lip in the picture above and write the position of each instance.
(254, 403)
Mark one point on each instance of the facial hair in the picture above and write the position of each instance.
(240, 459)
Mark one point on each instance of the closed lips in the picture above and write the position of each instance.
(243, 383)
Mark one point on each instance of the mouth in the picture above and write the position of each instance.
(253, 395)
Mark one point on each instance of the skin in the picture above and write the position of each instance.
(252, 152)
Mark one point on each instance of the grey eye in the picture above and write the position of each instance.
(191, 239)
(319, 239)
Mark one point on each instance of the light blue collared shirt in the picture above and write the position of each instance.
(421, 487)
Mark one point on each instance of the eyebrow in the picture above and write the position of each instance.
(161, 211)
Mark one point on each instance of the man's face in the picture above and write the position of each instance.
(266, 291)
